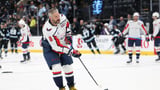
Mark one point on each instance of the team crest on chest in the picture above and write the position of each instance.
(49, 29)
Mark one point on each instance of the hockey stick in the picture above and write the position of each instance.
(90, 73)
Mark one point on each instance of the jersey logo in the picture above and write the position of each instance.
(49, 29)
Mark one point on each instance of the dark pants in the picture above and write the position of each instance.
(14, 44)
(52, 57)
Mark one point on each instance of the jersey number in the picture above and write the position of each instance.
(13, 31)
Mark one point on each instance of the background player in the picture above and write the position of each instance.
(134, 29)
(24, 39)
(14, 37)
(55, 50)
(87, 33)
(117, 39)
(5, 38)
(156, 33)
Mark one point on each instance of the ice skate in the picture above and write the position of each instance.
(117, 51)
(28, 56)
(1, 57)
(72, 88)
(158, 59)
(130, 61)
(23, 61)
(137, 61)
(63, 88)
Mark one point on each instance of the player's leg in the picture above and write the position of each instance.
(130, 50)
(117, 46)
(157, 47)
(121, 42)
(24, 50)
(28, 53)
(12, 45)
(16, 45)
(90, 47)
(6, 47)
(124, 49)
(95, 45)
(1, 43)
(53, 62)
(138, 45)
(66, 62)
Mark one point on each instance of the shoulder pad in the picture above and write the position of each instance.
(62, 17)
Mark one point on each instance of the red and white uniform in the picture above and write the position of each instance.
(156, 28)
(134, 29)
(56, 35)
(25, 32)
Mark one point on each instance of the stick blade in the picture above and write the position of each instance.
(7, 72)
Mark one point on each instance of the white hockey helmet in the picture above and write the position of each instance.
(21, 22)
(106, 24)
(155, 14)
(136, 14)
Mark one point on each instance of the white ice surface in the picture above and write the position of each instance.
(110, 71)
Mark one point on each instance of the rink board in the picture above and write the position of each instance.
(104, 43)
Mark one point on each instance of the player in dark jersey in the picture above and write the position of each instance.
(88, 37)
(14, 37)
(4, 33)
(117, 39)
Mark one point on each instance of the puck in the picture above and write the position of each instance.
(7, 72)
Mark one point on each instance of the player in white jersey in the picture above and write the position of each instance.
(134, 28)
(56, 52)
(156, 33)
(24, 39)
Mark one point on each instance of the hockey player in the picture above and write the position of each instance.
(118, 40)
(24, 39)
(133, 29)
(156, 33)
(88, 37)
(55, 48)
(5, 38)
(14, 37)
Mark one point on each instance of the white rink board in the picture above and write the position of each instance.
(104, 42)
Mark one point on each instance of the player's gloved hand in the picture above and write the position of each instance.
(75, 53)
(18, 42)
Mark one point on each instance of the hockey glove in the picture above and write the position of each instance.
(74, 53)
(18, 42)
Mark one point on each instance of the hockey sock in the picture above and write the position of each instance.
(16, 51)
(158, 53)
(123, 47)
(137, 54)
(70, 81)
(24, 56)
(6, 50)
(69, 75)
(98, 51)
(92, 51)
(28, 55)
(58, 81)
(12, 49)
(130, 56)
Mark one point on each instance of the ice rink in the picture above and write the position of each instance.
(110, 71)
